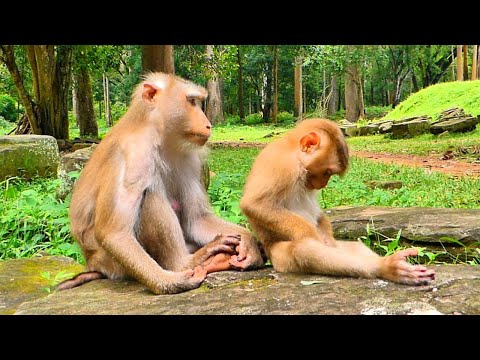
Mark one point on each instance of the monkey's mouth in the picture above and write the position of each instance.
(197, 137)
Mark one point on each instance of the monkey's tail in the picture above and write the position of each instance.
(80, 279)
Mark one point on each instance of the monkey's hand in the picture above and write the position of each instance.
(396, 268)
(220, 245)
(249, 256)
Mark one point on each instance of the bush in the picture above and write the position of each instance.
(376, 112)
(232, 119)
(253, 119)
(7, 108)
(117, 109)
(285, 117)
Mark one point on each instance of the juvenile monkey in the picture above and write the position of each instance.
(139, 209)
(279, 201)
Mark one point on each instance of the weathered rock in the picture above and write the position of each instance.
(28, 156)
(427, 227)
(385, 127)
(387, 185)
(349, 130)
(21, 279)
(72, 162)
(410, 128)
(455, 125)
(370, 129)
(79, 146)
(455, 290)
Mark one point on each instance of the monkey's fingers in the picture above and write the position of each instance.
(219, 262)
(199, 273)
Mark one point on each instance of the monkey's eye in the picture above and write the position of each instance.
(192, 100)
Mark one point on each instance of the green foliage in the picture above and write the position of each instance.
(5, 126)
(55, 280)
(33, 220)
(232, 119)
(284, 117)
(225, 197)
(434, 99)
(117, 109)
(7, 108)
(253, 119)
(376, 112)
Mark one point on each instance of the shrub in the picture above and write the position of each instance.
(232, 119)
(285, 117)
(376, 112)
(7, 107)
(253, 119)
(117, 109)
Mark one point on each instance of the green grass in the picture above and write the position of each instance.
(426, 144)
(254, 133)
(434, 99)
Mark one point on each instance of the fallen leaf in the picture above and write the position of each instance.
(310, 282)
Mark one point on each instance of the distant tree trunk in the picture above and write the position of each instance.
(74, 101)
(241, 112)
(453, 63)
(414, 82)
(459, 63)
(250, 104)
(474, 62)
(106, 99)
(333, 100)
(214, 106)
(158, 58)
(86, 113)
(275, 83)
(298, 111)
(353, 93)
(267, 92)
(465, 62)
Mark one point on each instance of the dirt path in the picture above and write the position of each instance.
(431, 163)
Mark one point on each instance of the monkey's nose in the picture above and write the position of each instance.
(209, 127)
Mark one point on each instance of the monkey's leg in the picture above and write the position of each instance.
(312, 256)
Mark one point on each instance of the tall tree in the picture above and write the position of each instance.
(353, 89)
(475, 62)
(106, 100)
(158, 58)
(297, 110)
(333, 98)
(47, 111)
(275, 83)
(214, 106)
(85, 113)
(459, 63)
(241, 111)
(465, 62)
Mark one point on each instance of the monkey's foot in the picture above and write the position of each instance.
(219, 262)
(181, 281)
(396, 268)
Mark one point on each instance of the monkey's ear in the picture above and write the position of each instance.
(309, 142)
(149, 91)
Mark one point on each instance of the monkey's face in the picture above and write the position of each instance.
(320, 160)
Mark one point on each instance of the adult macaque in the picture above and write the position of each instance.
(139, 209)
(280, 203)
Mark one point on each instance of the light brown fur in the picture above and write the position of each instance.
(280, 203)
(139, 206)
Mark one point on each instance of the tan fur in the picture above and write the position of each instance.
(139, 202)
(280, 203)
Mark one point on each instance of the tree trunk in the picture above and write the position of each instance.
(106, 99)
(9, 60)
(86, 113)
(214, 106)
(298, 111)
(250, 104)
(158, 58)
(267, 91)
(241, 112)
(353, 94)
(334, 97)
(459, 63)
(453, 63)
(275, 83)
(474, 62)
(74, 101)
(465, 62)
